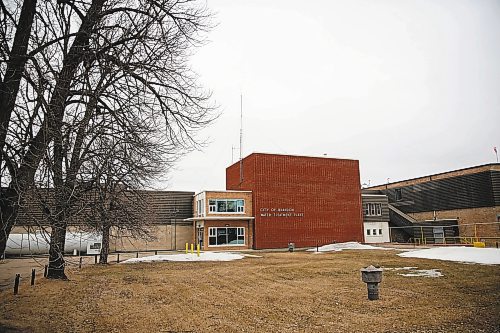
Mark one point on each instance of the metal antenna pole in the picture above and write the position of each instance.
(241, 138)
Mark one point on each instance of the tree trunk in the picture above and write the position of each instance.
(103, 259)
(8, 214)
(56, 251)
(36, 149)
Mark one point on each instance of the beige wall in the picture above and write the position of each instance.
(467, 218)
(161, 237)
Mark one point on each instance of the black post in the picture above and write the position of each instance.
(118, 258)
(45, 271)
(80, 263)
(317, 247)
(137, 254)
(16, 284)
(156, 252)
(497, 245)
(95, 259)
(33, 277)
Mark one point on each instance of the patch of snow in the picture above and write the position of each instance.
(424, 273)
(457, 253)
(204, 256)
(414, 271)
(347, 246)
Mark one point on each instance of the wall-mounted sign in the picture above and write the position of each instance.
(280, 212)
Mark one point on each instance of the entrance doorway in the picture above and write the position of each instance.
(199, 236)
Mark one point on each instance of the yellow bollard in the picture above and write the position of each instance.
(186, 248)
(198, 249)
(192, 248)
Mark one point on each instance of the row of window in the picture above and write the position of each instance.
(373, 209)
(226, 206)
(199, 207)
(373, 232)
(226, 236)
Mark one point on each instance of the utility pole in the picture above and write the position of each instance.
(241, 138)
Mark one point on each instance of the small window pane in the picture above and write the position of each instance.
(380, 231)
(368, 232)
(232, 238)
(374, 232)
(231, 206)
(212, 240)
(221, 236)
(221, 206)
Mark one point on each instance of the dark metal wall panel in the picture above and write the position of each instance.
(495, 183)
(382, 199)
(169, 205)
(461, 192)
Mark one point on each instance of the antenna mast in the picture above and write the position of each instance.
(241, 137)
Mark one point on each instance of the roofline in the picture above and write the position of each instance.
(223, 191)
(294, 155)
(434, 174)
(220, 218)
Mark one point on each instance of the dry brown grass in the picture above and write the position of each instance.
(280, 292)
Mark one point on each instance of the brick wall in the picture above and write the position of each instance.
(304, 200)
(467, 218)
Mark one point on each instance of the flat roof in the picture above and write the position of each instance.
(219, 218)
(441, 175)
(224, 191)
(292, 155)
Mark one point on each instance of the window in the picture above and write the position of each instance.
(374, 232)
(240, 206)
(373, 209)
(200, 207)
(212, 206)
(226, 206)
(380, 231)
(368, 232)
(399, 194)
(226, 236)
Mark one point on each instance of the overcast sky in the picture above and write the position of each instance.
(408, 88)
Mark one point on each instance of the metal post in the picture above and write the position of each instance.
(33, 277)
(137, 254)
(118, 258)
(45, 271)
(95, 259)
(317, 247)
(80, 264)
(156, 252)
(16, 284)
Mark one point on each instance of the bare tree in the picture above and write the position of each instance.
(127, 61)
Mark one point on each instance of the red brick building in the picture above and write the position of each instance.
(303, 200)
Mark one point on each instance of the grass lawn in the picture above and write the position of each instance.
(279, 292)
